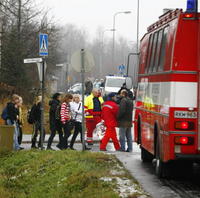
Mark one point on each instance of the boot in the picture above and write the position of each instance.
(33, 145)
(49, 148)
(59, 146)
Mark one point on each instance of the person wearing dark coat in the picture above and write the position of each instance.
(12, 118)
(54, 121)
(130, 93)
(125, 115)
(37, 122)
(12, 110)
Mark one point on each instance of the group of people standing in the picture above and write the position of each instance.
(62, 110)
(65, 114)
(12, 114)
(116, 111)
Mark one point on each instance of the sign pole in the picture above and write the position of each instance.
(43, 51)
(83, 96)
(42, 102)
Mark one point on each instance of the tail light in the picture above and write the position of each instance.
(184, 140)
(182, 125)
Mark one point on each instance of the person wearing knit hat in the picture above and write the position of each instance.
(111, 95)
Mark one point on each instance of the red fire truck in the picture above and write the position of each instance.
(167, 116)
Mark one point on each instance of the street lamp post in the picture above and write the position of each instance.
(113, 47)
(137, 48)
(137, 53)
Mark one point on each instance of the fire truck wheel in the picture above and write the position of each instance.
(160, 167)
(146, 156)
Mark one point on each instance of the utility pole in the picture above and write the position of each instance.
(137, 48)
(82, 61)
(67, 76)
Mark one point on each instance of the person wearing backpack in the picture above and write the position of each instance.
(66, 117)
(36, 116)
(54, 121)
(11, 114)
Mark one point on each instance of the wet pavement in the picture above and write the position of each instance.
(182, 184)
(144, 173)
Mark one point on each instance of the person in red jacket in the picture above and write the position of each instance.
(109, 115)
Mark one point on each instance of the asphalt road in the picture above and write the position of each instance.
(181, 185)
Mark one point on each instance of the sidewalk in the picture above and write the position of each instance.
(27, 138)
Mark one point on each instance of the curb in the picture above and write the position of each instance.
(56, 141)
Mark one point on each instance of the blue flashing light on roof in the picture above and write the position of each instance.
(192, 6)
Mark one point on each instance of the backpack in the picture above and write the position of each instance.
(57, 112)
(4, 114)
(30, 115)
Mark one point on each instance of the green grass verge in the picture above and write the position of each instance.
(56, 174)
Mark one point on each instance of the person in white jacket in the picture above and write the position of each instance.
(76, 109)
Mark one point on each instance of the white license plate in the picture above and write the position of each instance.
(185, 114)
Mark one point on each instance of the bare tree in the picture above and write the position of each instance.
(103, 57)
(22, 22)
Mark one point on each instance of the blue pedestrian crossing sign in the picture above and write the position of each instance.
(43, 44)
(121, 67)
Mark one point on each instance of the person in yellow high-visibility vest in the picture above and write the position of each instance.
(93, 107)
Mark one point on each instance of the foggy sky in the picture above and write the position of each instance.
(91, 14)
